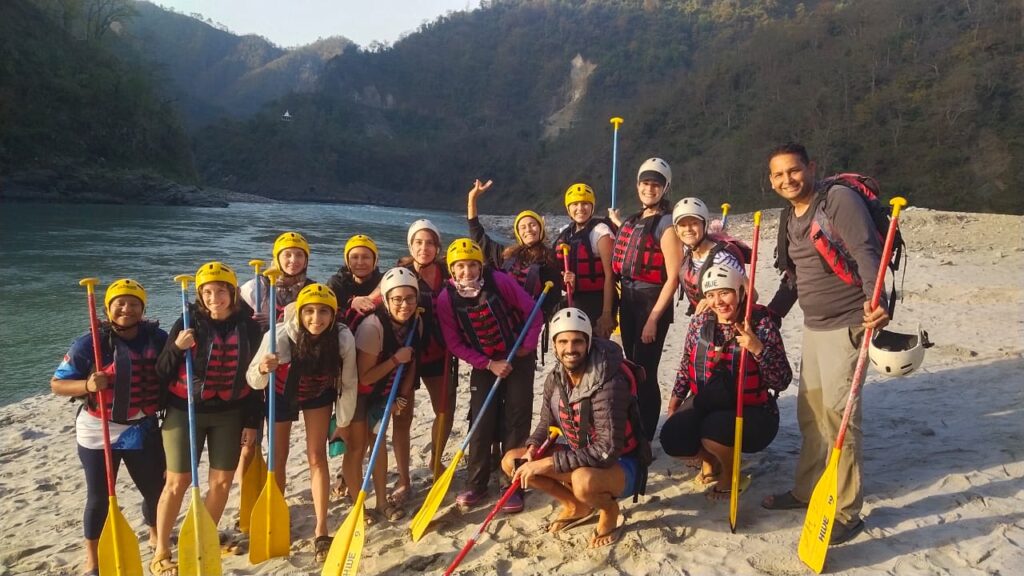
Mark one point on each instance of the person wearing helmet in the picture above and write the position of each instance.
(380, 350)
(315, 367)
(482, 314)
(701, 424)
(356, 282)
(531, 261)
(702, 249)
(645, 249)
(590, 242)
(291, 257)
(129, 347)
(836, 313)
(223, 338)
(438, 369)
(588, 395)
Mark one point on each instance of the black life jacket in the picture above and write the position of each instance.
(346, 288)
(584, 261)
(136, 385)
(637, 253)
(489, 325)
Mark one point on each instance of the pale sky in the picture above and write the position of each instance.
(296, 22)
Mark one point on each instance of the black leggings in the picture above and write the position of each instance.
(683, 431)
(145, 466)
(507, 419)
(636, 307)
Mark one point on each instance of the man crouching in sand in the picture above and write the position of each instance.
(590, 397)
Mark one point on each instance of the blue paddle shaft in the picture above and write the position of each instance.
(509, 358)
(272, 385)
(387, 412)
(615, 161)
(191, 396)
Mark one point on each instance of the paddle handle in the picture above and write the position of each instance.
(258, 288)
(387, 411)
(725, 213)
(99, 396)
(876, 296)
(541, 450)
(616, 121)
(565, 265)
(509, 358)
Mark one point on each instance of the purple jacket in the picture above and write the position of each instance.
(513, 295)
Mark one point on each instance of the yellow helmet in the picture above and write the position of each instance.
(579, 192)
(361, 240)
(463, 249)
(290, 240)
(216, 272)
(527, 214)
(317, 294)
(124, 287)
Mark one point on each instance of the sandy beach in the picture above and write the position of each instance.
(944, 456)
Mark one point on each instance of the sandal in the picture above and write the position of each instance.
(394, 513)
(399, 495)
(230, 544)
(784, 501)
(717, 493)
(562, 524)
(162, 565)
(321, 547)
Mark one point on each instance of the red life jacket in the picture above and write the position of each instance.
(584, 261)
(637, 253)
(707, 356)
(433, 348)
(392, 340)
(135, 386)
(690, 279)
(528, 276)
(489, 325)
(222, 375)
(297, 386)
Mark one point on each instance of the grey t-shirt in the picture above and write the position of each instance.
(828, 302)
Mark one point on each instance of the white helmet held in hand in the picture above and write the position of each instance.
(422, 224)
(570, 320)
(658, 167)
(691, 207)
(720, 276)
(895, 354)
(397, 277)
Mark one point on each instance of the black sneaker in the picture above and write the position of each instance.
(843, 533)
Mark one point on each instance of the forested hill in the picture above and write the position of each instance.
(923, 94)
(211, 72)
(68, 104)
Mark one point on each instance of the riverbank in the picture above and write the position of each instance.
(943, 472)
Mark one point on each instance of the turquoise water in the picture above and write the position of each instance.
(47, 248)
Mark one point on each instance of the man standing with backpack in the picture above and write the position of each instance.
(591, 395)
(828, 252)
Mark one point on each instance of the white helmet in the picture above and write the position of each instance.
(895, 354)
(691, 207)
(570, 320)
(422, 224)
(656, 165)
(720, 276)
(397, 277)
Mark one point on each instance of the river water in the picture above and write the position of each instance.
(45, 249)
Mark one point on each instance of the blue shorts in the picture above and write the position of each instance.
(629, 466)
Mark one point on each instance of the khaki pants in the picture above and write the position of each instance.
(826, 372)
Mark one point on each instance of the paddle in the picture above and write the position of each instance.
(737, 446)
(821, 510)
(118, 546)
(553, 434)
(433, 501)
(565, 263)
(269, 525)
(256, 472)
(725, 214)
(616, 121)
(347, 547)
(198, 542)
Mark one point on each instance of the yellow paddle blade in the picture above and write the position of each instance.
(119, 547)
(198, 542)
(821, 516)
(734, 492)
(269, 526)
(434, 498)
(253, 479)
(345, 540)
(355, 549)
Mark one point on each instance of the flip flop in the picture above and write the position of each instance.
(702, 482)
(613, 535)
(716, 494)
(784, 501)
(321, 546)
(563, 524)
(399, 495)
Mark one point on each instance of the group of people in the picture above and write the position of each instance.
(339, 345)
